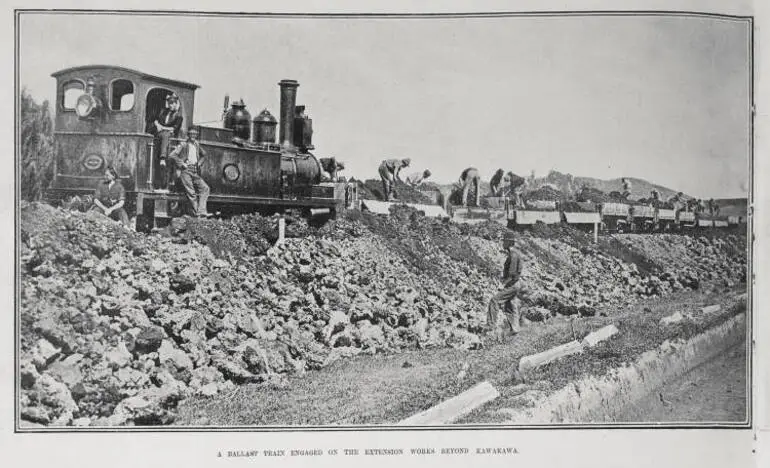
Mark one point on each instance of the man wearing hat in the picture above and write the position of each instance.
(166, 125)
(416, 178)
(389, 170)
(505, 299)
(188, 157)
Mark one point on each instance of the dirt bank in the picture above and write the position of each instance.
(118, 327)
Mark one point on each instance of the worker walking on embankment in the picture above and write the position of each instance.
(389, 173)
(505, 299)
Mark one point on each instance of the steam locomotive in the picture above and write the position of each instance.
(102, 116)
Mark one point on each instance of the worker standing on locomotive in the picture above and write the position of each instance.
(389, 173)
(110, 197)
(164, 127)
(416, 178)
(470, 177)
(505, 299)
(188, 157)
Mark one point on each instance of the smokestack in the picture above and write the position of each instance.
(288, 102)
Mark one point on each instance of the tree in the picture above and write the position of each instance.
(36, 147)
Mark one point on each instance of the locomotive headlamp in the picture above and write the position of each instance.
(86, 106)
(231, 172)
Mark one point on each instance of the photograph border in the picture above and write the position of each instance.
(750, 391)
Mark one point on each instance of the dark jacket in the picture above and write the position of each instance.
(110, 196)
(512, 268)
(494, 183)
(168, 119)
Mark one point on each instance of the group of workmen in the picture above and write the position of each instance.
(501, 184)
(678, 201)
(180, 164)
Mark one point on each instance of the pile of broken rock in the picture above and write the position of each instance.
(117, 327)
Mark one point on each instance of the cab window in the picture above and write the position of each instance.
(122, 95)
(71, 91)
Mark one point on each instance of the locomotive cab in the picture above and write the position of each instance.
(101, 120)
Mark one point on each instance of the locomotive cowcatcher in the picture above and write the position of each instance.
(102, 116)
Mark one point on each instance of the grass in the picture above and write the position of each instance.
(637, 333)
(384, 389)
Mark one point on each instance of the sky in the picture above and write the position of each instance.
(660, 98)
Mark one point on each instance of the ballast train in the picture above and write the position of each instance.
(102, 116)
(611, 217)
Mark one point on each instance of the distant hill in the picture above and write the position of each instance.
(568, 183)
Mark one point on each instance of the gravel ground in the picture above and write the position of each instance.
(713, 392)
(385, 389)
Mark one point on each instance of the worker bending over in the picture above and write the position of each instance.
(389, 173)
(416, 178)
(330, 168)
(496, 183)
(516, 184)
(468, 178)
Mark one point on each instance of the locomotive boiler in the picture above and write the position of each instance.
(102, 117)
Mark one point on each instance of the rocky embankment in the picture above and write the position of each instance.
(117, 327)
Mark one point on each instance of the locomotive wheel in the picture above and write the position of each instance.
(144, 223)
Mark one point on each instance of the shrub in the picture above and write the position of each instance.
(36, 146)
